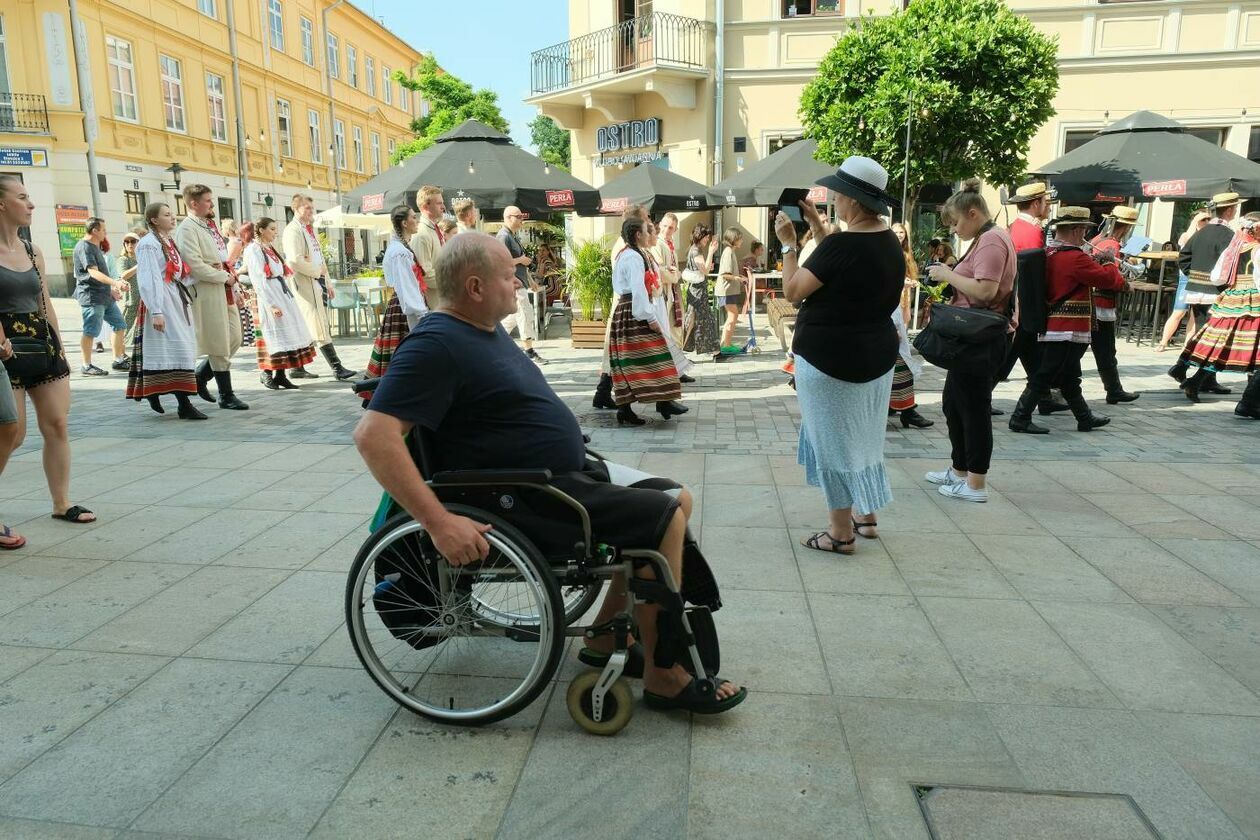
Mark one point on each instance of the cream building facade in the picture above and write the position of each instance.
(631, 60)
(162, 93)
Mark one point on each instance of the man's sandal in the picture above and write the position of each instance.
(6, 533)
(74, 514)
(598, 659)
(691, 699)
(858, 526)
(836, 546)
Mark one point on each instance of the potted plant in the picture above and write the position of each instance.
(588, 282)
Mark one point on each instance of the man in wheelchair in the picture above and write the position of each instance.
(483, 405)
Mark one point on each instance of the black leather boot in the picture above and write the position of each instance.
(155, 403)
(1115, 391)
(1249, 405)
(603, 393)
(268, 381)
(187, 411)
(282, 381)
(911, 417)
(303, 373)
(227, 399)
(1049, 405)
(1179, 371)
(1021, 417)
(204, 374)
(340, 371)
(1086, 420)
(1196, 383)
(1211, 386)
(627, 417)
(670, 408)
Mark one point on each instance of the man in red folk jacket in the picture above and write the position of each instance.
(1070, 275)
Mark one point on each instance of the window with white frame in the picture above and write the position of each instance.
(122, 78)
(369, 74)
(358, 149)
(334, 56)
(216, 102)
(392, 146)
(308, 40)
(352, 66)
(316, 136)
(172, 93)
(209, 8)
(275, 23)
(284, 127)
(339, 143)
(376, 153)
(387, 87)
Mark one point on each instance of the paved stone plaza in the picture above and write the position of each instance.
(182, 668)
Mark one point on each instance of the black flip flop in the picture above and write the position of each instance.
(837, 546)
(858, 526)
(691, 699)
(598, 659)
(73, 513)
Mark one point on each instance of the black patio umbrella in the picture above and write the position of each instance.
(776, 179)
(657, 189)
(476, 161)
(1147, 156)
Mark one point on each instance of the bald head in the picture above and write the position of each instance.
(513, 218)
(463, 257)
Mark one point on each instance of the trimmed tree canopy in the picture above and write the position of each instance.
(451, 102)
(977, 79)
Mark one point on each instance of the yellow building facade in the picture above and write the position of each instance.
(632, 60)
(162, 93)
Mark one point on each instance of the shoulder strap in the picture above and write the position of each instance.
(30, 252)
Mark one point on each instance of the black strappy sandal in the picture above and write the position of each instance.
(73, 513)
(837, 546)
(858, 526)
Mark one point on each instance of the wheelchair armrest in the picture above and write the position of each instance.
(367, 386)
(492, 477)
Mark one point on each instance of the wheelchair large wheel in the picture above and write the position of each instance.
(576, 600)
(422, 630)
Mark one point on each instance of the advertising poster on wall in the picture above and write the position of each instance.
(71, 226)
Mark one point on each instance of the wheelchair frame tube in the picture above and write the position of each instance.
(667, 576)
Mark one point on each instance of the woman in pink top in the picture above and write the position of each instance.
(984, 278)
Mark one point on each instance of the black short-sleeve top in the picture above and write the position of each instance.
(845, 328)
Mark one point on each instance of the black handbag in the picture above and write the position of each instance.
(33, 355)
(960, 338)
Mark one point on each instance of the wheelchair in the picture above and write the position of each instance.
(474, 644)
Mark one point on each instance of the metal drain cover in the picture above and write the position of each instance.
(976, 813)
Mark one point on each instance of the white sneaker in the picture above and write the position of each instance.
(963, 492)
(946, 477)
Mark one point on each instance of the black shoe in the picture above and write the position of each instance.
(603, 393)
(1047, 407)
(204, 374)
(1021, 417)
(1214, 387)
(340, 371)
(1027, 427)
(996, 412)
(188, 411)
(268, 381)
(685, 379)
(227, 399)
(910, 417)
(93, 370)
(282, 381)
(533, 354)
(99, 348)
(155, 403)
(1086, 420)
(1115, 390)
(303, 373)
(1191, 393)
(1249, 412)
(1178, 372)
(670, 408)
(121, 364)
(627, 417)
(1114, 397)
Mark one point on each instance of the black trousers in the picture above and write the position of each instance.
(1022, 347)
(1060, 367)
(1102, 341)
(966, 401)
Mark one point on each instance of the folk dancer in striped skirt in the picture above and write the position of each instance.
(1228, 342)
(642, 367)
(1198, 257)
(661, 305)
(165, 344)
(283, 342)
(407, 304)
(905, 369)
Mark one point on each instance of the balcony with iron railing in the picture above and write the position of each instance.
(23, 113)
(669, 45)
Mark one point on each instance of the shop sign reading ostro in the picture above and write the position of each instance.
(633, 134)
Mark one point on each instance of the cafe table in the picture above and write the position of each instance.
(1164, 258)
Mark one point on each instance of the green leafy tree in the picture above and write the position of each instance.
(552, 142)
(451, 101)
(976, 80)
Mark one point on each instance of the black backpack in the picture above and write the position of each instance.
(1030, 289)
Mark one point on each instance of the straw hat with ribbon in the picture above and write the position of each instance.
(1032, 192)
(1225, 199)
(1122, 214)
(1071, 216)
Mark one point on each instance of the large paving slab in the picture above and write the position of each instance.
(182, 668)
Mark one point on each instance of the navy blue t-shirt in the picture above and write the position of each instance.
(485, 402)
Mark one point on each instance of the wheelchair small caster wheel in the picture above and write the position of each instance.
(618, 704)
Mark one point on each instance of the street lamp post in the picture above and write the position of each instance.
(332, 114)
